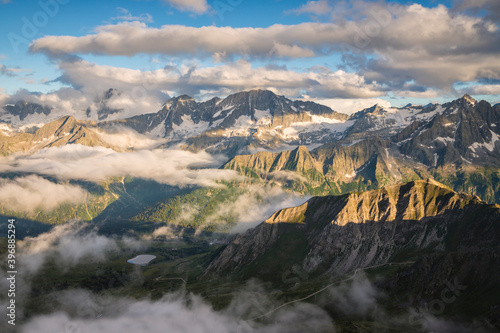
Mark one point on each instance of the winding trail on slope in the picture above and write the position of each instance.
(328, 286)
(160, 278)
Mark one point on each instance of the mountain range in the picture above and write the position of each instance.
(404, 198)
(456, 132)
(299, 146)
(463, 131)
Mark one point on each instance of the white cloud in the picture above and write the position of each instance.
(133, 38)
(268, 199)
(359, 298)
(33, 192)
(219, 80)
(168, 166)
(291, 51)
(381, 34)
(69, 243)
(125, 15)
(449, 47)
(487, 89)
(126, 138)
(134, 98)
(320, 7)
(86, 312)
(165, 231)
(194, 6)
(350, 106)
(430, 93)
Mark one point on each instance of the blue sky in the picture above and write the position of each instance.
(342, 53)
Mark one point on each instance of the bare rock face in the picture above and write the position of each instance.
(465, 131)
(223, 113)
(338, 234)
(23, 109)
(60, 132)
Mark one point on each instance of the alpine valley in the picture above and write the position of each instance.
(385, 220)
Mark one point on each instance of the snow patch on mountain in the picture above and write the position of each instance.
(445, 140)
(490, 146)
(319, 124)
(6, 130)
(188, 128)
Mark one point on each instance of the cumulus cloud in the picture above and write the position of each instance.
(136, 38)
(223, 79)
(144, 91)
(443, 52)
(167, 166)
(194, 6)
(33, 193)
(379, 43)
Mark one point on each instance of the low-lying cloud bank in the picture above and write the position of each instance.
(358, 301)
(32, 192)
(258, 204)
(176, 313)
(69, 244)
(166, 166)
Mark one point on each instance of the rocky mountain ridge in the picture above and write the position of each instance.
(57, 133)
(337, 234)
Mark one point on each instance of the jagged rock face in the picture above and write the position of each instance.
(240, 115)
(57, 133)
(364, 158)
(341, 233)
(370, 119)
(465, 132)
(299, 160)
(101, 105)
(384, 123)
(325, 170)
(23, 109)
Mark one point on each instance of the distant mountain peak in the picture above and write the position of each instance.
(469, 99)
(110, 93)
(184, 98)
(373, 110)
(23, 109)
